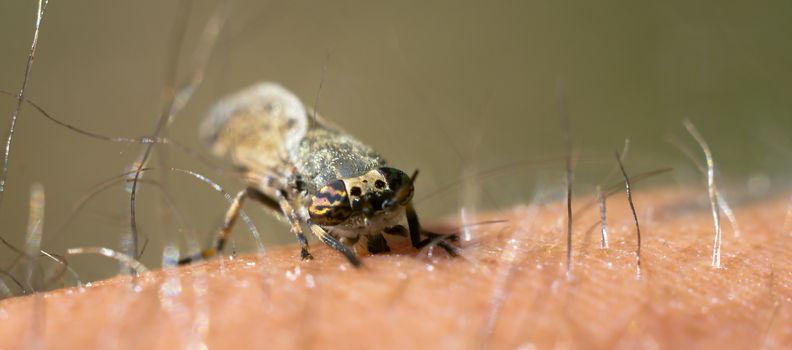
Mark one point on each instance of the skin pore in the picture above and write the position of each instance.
(510, 289)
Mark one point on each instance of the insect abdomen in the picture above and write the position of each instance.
(256, 126)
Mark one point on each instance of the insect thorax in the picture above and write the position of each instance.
(324, 155)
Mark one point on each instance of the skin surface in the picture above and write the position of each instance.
(510, 290)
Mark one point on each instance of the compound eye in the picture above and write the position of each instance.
(330, 205)
(398, 182)
(395, 178)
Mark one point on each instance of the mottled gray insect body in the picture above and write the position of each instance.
(256, 127)
(324, 155)
(310, 172)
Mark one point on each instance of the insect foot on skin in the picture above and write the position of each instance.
(312, 174)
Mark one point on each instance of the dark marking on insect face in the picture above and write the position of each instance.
(370, 193)
(330, 205)
(372, 202)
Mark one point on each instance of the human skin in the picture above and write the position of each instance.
(509, 289)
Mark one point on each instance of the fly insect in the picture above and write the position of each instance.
(312, 174)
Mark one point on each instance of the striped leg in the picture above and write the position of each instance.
(279, 205)
(294, 223)
(228, 224)
(336, 244)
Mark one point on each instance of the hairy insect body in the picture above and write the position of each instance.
(324, 155)
(311, 173)
(259, 129)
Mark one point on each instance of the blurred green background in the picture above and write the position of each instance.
(450, 87)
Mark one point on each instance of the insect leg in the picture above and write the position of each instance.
(275, 193)
(414, 226)
(377, 244)
(416, 231)
(294, 223)
(336, 244)
(442, 241)
(228, 224)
